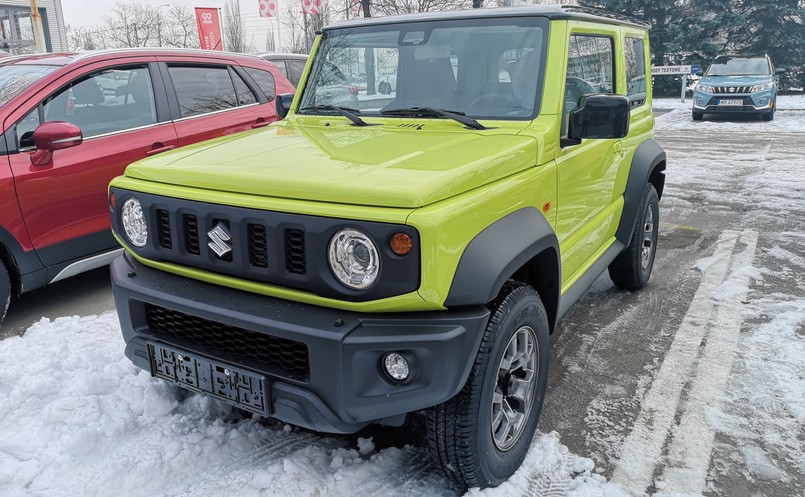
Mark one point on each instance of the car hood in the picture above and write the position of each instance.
(735, 80)
(378, 165)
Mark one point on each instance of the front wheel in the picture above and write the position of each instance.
(631, 269)
(697, 116)
(481, 436)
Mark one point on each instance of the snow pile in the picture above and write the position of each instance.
(77, 419)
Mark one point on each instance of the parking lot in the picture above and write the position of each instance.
(692, 386)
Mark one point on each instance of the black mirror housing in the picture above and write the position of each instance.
(779, 70)
(600, 116)
(283, 103)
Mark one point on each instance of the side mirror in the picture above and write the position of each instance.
(52, 136)
(698, 73)
(283, 103)
(779, 70)
(600, 116)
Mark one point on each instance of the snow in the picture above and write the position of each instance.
(78, 419)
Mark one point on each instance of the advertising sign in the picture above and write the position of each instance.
(209, 29)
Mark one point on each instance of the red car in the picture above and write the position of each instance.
(73, 121)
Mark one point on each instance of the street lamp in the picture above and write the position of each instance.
(159, 23)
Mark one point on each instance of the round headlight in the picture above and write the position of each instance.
(131, 215)
(354, 259)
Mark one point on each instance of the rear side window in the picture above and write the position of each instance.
(264, 80)
(245, 95)
(203, 89)
(635, 71)
(297, 68)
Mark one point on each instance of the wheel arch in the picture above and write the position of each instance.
(22, 266)
(530, 255)
(648, 166)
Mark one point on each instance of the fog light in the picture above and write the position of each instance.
(396, 366)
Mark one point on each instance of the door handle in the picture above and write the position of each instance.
(159, 150)
(618, 147)
(261, 124)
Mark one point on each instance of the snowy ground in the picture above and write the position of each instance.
(77, 419)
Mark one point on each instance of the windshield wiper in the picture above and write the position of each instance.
(430, 111)
(344, 111)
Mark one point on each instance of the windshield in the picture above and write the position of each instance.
(484, 68)
(15, 78)
(739, 66)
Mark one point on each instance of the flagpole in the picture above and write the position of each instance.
(307, 38)
(279, 33)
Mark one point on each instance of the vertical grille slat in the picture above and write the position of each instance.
(258, 245)
(164, 229)
(191, 241)
(295, 251)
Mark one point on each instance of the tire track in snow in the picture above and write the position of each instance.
(642, 450)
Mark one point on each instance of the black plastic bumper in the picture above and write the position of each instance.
(344, 387)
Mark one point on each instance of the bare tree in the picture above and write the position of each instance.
(178, 28)
(132, 24)
(81, 38)
(234, 30)
(390, 7)
(271, 45)
(293, 31)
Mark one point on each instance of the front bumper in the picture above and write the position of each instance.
(751, 103)
(338, 386)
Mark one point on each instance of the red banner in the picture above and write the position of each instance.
(209, 29)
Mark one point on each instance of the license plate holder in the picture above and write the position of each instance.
(226, 383)
(732, 102)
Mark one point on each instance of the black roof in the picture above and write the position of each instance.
(552, 12)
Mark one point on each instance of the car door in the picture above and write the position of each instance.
(587, 207)
(120, 107)
(212, 99)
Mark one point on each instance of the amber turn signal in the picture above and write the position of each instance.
(401, 244)
(112, 200)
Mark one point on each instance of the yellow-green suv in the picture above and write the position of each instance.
(349, 266)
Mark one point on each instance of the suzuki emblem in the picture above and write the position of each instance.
(732, 89)
(219, 237)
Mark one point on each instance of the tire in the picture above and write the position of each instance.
(384, 88)
(631, 269)
(697, 116)
(5, 291)
(768, 116)
(460, 431)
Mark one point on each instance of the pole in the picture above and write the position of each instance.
(307, 39)
(39, 33)
(684, 79)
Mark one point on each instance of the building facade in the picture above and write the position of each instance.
(16, 26)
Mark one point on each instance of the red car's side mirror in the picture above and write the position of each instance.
(52, 136)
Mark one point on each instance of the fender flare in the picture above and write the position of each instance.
(25, 268)
(497, 252)
(648, 156)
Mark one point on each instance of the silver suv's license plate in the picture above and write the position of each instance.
(733, 102)
(223, 382)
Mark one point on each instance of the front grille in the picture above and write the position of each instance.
(258, 245)
(295, 251)
(287, 355)
(191, 242)
(732, 90)
(164, 229)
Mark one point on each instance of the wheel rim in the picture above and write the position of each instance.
(514, 389)
(648, 237)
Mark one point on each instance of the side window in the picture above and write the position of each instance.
(635, 71)
(283, 69)
(25, 129)
(264, 80)
(245, 95)
(589, 68)
(202, 89)
(105, 102)
(297, 67)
